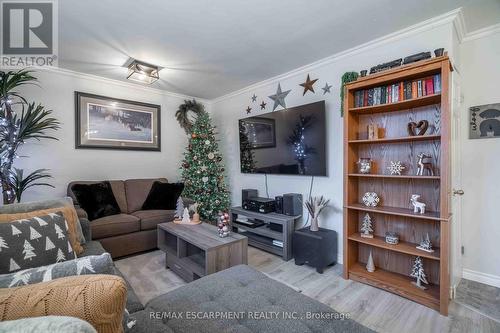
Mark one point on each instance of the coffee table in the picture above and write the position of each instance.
(193, 251)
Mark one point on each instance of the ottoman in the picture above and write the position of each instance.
(239, 299)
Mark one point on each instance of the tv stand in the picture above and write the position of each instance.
(262, 236)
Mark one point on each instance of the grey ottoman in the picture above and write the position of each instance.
(239, 299)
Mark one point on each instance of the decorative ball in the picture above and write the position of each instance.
(195, 157)
(193, 135)
(226, 215)
(207, 142)
(211, 156)
(205, 179)
(225, 228)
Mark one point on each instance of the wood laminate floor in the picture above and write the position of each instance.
(372, 307)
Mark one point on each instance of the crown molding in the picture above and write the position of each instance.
(68, 72)
(459, 26)
(423, 26)
(481, 33)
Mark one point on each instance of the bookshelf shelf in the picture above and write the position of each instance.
(398, 140)
(394, 262)
(402, 247)
(399, 106)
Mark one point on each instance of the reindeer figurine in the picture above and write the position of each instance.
(417, 205)
(422, 165)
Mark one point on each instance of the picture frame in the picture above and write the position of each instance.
(484, 121)
(103, 122)
(261, 132)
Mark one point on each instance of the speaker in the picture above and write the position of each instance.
(248, 193)
(279, 204)
(292, 204)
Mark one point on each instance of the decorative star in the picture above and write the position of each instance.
(263, 105)
(279, 97)
(254, 98)
(308, 85)
(326, 88)
(249, 109)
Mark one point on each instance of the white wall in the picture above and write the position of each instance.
(66, 163)
(227, 110)
(481, 161)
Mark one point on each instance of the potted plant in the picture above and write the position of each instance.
(315, 206)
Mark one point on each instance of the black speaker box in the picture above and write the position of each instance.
(248, 193)
(292, 204)
(279, 204)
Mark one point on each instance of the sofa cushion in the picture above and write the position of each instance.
(69, 214)
(118, 187)
(97, 199)
(34, 242)
(163, 196)
(97, 299)
(114, 225)
(53, 324)
(137, 191)
(102, 264)
(26, 207)
(150, 218)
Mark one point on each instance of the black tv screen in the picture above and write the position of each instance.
(289, 142)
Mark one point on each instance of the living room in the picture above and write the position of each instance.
(249, 167)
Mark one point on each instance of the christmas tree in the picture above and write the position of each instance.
(202, 170)
(418, 273)
(366, 227)
(246, 153)
(28, 250)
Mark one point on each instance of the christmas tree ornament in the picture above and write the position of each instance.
(207, 142)
(308, 85)
(425, 244)
(188, 113)
(279, 97)
(417, 205)
(193, 135)
(211, 156)
(204, 179)
(203, 168)
(223, 224)
(370, 266)
(418, 273)
(371, 199)
(326, 88)
(396, 168)
(366, 227)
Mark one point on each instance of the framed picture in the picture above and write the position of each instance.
(261, 132)
(111, 123)
(485, 121)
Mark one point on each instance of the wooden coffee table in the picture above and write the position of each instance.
(193, 251)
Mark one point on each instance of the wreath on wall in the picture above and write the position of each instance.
(188, 113)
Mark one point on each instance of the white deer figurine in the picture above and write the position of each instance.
(417, 205)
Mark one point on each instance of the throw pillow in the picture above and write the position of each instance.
(102, 264)
(69, 214)
(52, 324)
(38, 241)
(26, 207)
(96, 199)
(97, 299)
(163, 196)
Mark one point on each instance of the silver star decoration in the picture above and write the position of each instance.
(326, 88)
(279, 97)
(254, 98)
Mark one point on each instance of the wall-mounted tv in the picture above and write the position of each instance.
(289, 142)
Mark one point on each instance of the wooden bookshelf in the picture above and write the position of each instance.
(394, 262)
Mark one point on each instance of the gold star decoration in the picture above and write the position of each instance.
(263, 105)
(249, 109)
(308, 85)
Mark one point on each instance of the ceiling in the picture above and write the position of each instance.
(210, 48)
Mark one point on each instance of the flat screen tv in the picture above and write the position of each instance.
(288, 142)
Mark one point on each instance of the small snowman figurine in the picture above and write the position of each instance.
(223, 224)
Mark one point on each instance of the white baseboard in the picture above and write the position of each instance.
(485, 278)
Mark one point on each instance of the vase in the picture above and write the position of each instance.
(314, 224)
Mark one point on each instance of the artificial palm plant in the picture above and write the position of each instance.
(20, 121)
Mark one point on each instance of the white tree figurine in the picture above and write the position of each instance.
(366, 227)
(179, 208)
(370, 266)
(185, 216)
(425, 244)
(418, 273)
(28, 250)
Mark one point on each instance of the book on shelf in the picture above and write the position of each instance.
(429, 86)
(414, 89)
(401, 91)
(365, 98)
(370, 96)
(437, 83)
(383, 95)
(419, 88)
(389, 94)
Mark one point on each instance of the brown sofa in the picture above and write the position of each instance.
(134, 230)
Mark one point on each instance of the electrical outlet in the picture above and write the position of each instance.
(462, 250)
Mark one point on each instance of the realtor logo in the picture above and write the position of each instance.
(29, 33)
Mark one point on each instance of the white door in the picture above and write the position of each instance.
(457, 112)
